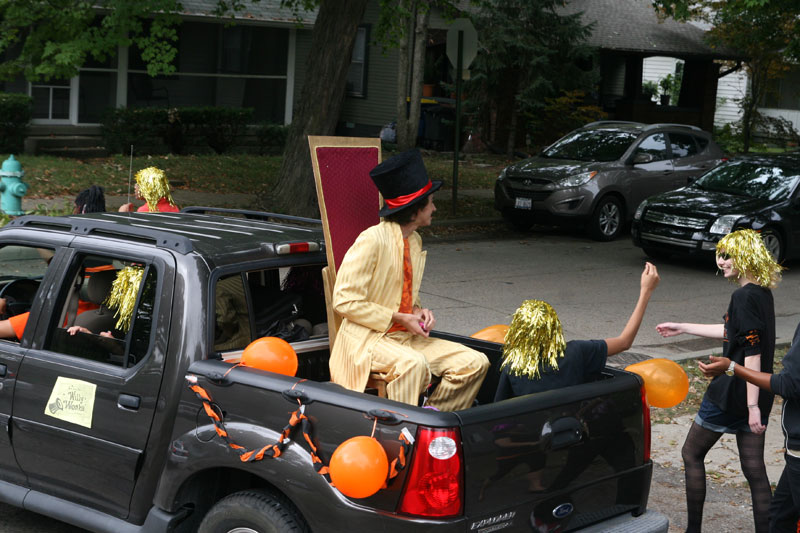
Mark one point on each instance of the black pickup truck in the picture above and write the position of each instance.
(110, 434)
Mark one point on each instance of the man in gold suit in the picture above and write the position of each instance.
(385, 329)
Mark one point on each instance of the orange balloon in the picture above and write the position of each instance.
(665, 382)
(359, 467)
(272, 354)
(496, 333)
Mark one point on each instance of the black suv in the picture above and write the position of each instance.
(599, 173)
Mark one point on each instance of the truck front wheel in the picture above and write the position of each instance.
(252, 511)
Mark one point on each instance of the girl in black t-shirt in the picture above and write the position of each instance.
(730, 405)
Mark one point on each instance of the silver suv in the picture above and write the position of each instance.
(598, 174)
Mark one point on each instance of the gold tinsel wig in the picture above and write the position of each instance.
(123, 295)
(750, 257)
(534, 339)
(153, 186)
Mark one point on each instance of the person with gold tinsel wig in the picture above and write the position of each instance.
(536, 358)
(731, 405)
(152, 187)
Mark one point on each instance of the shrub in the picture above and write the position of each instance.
(159, 129)
(219, 127)
(562, 115)
(15, 113)
(729, 137)
(272, 137)
(141, 127)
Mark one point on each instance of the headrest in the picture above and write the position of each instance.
(99, 284)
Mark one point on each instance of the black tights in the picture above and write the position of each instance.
(751, 455)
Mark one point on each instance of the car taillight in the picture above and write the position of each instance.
(646, 424)
(435, 481)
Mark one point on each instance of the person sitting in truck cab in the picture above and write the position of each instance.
(536, 358)
(384, 328)
(152, 187)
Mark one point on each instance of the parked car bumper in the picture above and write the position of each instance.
(674, 240)
(558, 206)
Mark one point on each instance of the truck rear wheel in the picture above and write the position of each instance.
(252, 511)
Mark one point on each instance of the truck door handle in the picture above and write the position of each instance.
(566, 431)
(129, 401)
(3, 370)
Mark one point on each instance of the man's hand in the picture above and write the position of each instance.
(411, 322)
(126, 208)
(650, 278)
(715, 366)
(426, 318)
(72, 330)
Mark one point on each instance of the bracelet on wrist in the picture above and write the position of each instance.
(751, 405)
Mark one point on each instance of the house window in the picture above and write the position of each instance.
(357, 75)
(217, 65)
(51, 100)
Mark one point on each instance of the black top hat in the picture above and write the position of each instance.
(402, 181)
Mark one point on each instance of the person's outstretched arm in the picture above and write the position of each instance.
(718, 365)
(670, 329)
(625, 339)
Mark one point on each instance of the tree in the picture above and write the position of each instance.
(320, 103)
(529, 52)
(765, 32)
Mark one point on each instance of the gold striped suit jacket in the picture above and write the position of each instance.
(368, 289)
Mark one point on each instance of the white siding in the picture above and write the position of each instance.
(730, 89)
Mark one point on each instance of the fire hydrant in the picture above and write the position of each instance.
(12, 188)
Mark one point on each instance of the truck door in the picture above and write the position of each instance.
(22, 270)
(88, 390)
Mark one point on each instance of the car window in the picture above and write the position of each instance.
(654, 145)
(682, 145)
(284, 302)
(593, 145)
(749, 178)
(702, 142)
(104, 311)
(21, 271)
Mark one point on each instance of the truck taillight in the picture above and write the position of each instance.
(435, 482)
(646, 424)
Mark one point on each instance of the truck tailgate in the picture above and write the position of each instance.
(569, 457)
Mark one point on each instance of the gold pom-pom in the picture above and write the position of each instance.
(534, 339)
(153, 186)
(123, 295)
(750, 257)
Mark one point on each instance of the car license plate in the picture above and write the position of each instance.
(523, 203)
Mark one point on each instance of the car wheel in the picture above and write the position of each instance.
(520, 220)
(252, 511)
(607, 219)
(656, 254)
(774, 243)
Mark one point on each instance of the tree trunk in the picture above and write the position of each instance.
(318, 109)
(403, 70)
(409, 123)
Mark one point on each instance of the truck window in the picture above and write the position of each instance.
(21, 271)
(284, 302)
(104, 311)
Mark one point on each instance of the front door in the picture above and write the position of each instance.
(22, 271)
(87, 393)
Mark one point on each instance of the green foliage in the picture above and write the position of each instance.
(15, 113)
(561, 115)
(649, 89)
(156, 129)
(529, 52)
(272, 137)
(729, 138)
(53, 39)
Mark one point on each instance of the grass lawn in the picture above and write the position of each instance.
(697, 387)
(50, 176)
